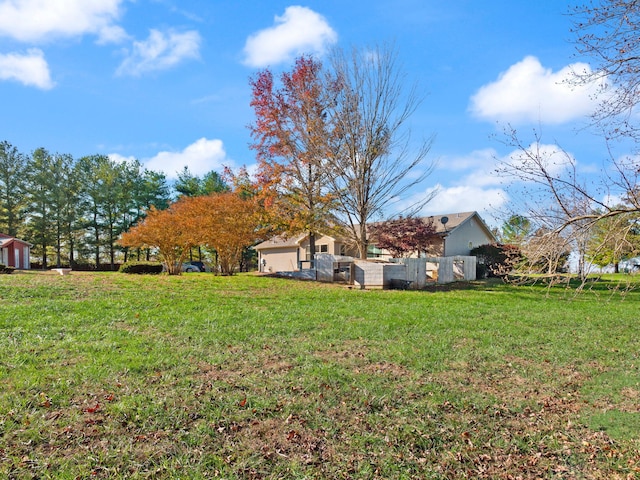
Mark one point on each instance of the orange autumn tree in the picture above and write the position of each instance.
(172, 232)
(227, 222)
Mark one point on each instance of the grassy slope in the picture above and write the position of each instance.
(108, 376)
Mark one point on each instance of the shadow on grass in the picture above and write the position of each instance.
(564, 283)
(598, 283)
(475, 285)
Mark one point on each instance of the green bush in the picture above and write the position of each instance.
(141, 267)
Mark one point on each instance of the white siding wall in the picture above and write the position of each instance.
(458, 241)
(280, 260)
(333, 247)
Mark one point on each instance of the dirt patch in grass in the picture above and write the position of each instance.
(513, 421)
(276, 440)
(347, 353)
(512, 379)
(388, 369)
(627, 400)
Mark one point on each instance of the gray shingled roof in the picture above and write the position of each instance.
(453, 220)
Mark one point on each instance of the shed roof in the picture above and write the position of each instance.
(6, 240)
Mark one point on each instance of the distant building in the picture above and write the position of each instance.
(15, 252)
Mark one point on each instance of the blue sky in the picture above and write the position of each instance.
(166, 81)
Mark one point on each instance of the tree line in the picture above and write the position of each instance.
(73, 210)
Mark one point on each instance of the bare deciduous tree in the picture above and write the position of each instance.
(570, 205)
(373, 160)
(546, 252)
(559, 200)
(607, 33)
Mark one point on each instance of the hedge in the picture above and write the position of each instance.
(141, 268)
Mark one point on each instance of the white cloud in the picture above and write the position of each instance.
(300, 30)
(112, 34)
(162, 50)
(30, 69)
(528, 92)
(476, 159)
(40, 20)
(474, 173)
(477, 168)
(200, 157)
(116, 157)
(554, 160)
(473, 182)
(460, 198)
(611, 200)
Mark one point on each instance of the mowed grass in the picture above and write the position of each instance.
(198, 376)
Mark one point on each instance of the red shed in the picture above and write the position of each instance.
(15, 252)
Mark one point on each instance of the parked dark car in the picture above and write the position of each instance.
(201, 266)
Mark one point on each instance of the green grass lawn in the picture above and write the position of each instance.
(198, 376)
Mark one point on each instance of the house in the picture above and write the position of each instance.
(456, 234)
(15, 252)
(459, 233)
(288, 254)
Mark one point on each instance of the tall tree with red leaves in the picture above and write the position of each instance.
(290, 136)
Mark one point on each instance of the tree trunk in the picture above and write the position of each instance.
(58, 252)
(112, 254)
(312, 248)
(97, 251)
(72, 258)
(363, 244)
(44, 255)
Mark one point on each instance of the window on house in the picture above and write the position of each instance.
(374, 252)
(319, 249)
